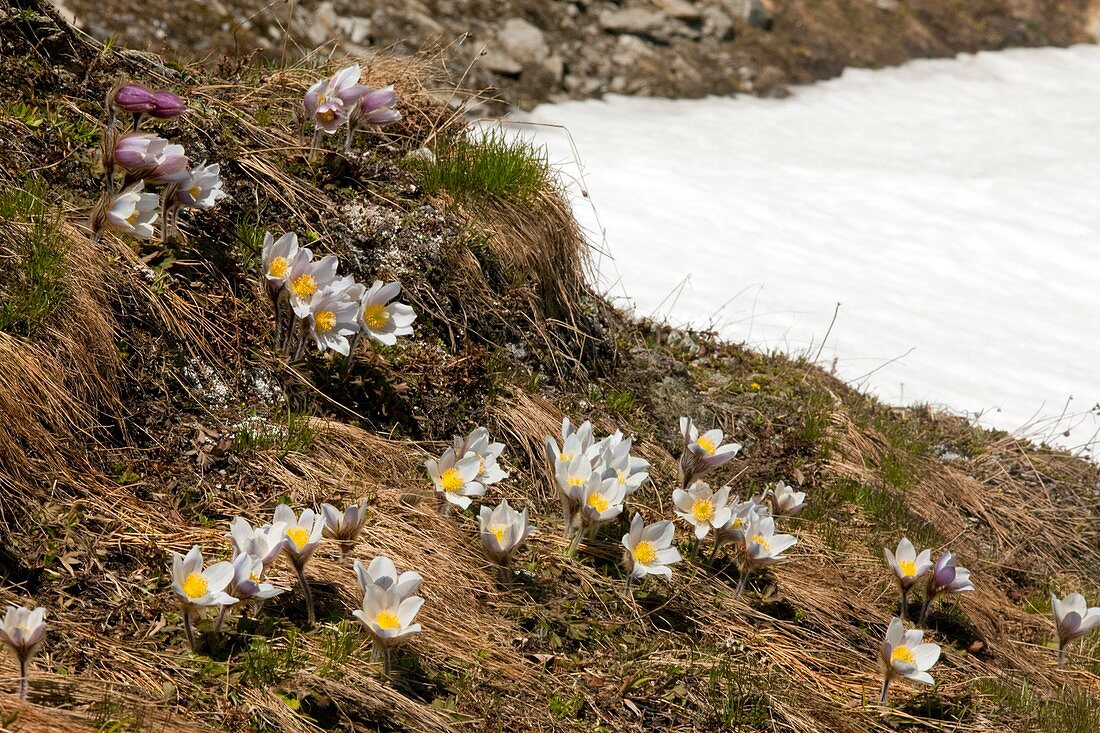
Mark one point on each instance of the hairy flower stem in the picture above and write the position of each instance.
(924, 609)
(221, 619)
(23, 684)
(1061, 656)
(188, 631)
(885, 691)
(904, 603)
(574, 543)
(744, 581)
(304, 582)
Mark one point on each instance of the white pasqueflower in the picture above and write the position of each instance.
(248, 583)
(202, 189)
(264, 542)
(277, 256)
(344, 526)
(328, 101)
(741, 514)
(383, 573)
(702, 452)
(946, 576)
(302, 535)
(571, 478)
(133, 212)
(602, 501)
(1073, 618)
(762, 546)
(307, 277)
(197, 588)
(22, 630)
(908, 568)
(382, 318)
(649, 549)
(480, 444)
(613, 460)
(332, 318)
(575, 441)
(903, 655)
(503, 530)
(786, 500)
(702, 508)
(389, 619)
(455, 478)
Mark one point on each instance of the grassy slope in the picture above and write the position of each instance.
(121, 402)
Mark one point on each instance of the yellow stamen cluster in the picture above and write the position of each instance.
(326, 115)
(498, 531)
(132, 218)
(194, 585)
(576, 481)
(706, 444)
(908, 568)
(702, 510)
(762, 541)
(324, 321)
(622, 477)
(903, 654)
(644, 552)
(299, 536)
(304, 286)
(278, 267)
(376, 316)
(565, 457)
(598, 502)
(387, 620)
(451, 480)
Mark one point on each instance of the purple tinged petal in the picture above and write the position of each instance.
(167, 105)
(134, 98)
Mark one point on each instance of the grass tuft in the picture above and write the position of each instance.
(491, 164)
(33, 286)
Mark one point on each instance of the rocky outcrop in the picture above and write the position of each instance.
(529, 51)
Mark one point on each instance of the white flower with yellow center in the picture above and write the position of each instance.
(908, 567)
(344, 527)
(455, 479)
(741, 513)
(248, 583)
(649, 549)
(702, 508)
(575, 441)
(1072, 619)
(762, 546)
(614, 461)
(389, 620)
(480, 444)
(702, 452)
(197, 588)
(133, 212)
(307, 278)
(202, 189)
(302, 535)
(602, 502)
(276, 258)
(382, 318)
(786, 500)
(503, 530)
(264, 542)
(383, 573)
(22, 630)
(903, 655)
(332, 318)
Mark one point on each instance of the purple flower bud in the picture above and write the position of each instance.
(945, 570)
(376, 108)
(134, 98)
(353, 94)
(167, 105)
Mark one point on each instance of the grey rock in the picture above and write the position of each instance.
(522, 41)
(635, 21)
(680, 10)
(555, 67)
(717, 24)
(501, 63)
(889, 5)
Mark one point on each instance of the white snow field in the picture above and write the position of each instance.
(951, 206)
